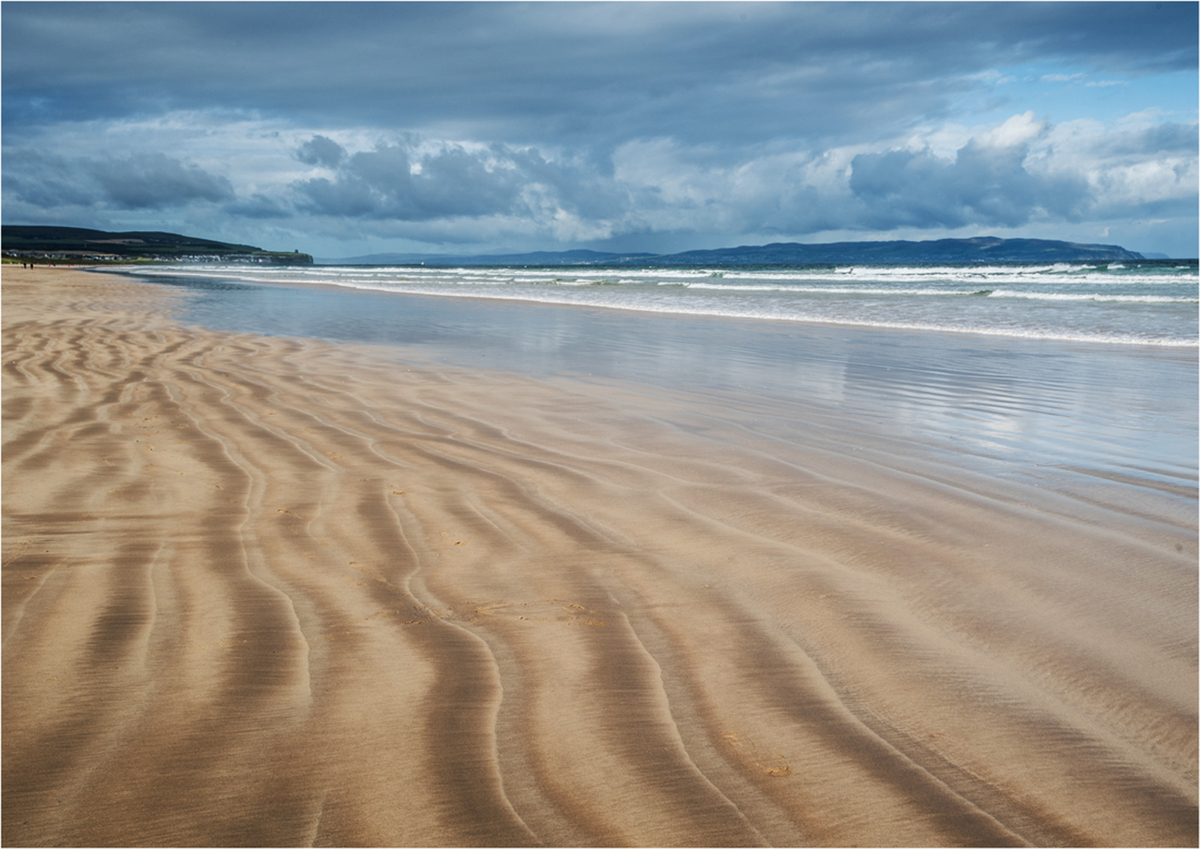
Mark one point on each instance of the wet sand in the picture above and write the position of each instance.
(272, 591)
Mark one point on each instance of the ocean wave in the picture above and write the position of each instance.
(546, 296)
(959, 307)
(1093, 296)
(899, 280)
(828, 290)
(1057, 268)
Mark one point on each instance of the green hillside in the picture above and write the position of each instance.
(78, 244)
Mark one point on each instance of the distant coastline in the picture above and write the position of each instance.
(979, 249)
(45, 244)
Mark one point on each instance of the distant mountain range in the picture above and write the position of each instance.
(79, 244)
(981, 249)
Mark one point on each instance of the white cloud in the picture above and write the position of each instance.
(357, 183)
(1017, 130)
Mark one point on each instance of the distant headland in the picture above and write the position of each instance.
(982, 249)
(77, 244)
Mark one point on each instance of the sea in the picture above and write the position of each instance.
(1132, 303)
(1047, 372)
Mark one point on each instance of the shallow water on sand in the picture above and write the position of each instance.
(1011, 406)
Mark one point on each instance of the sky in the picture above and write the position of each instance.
(344, 129)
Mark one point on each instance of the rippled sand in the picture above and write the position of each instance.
(276, 592)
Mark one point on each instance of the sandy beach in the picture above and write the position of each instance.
(278, 591)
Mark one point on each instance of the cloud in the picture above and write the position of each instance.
(392, 181)
(320, 150)
(1007, 175)
(988, 182)
(982, 186)
(259, 206)
(416, 181)
(43, 181)
(535, 125)
(562, 73)
(136, 181)
(1158, 140)
(154, 181)
(1021, 171)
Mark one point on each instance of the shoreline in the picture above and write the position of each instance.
(827, 324)
(281, 591)
(957, 394)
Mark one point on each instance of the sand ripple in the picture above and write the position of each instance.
(275, 592)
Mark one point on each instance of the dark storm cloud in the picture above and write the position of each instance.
(45, 181)
(563, 73)
(320, 150)
(982, 185)
(154, 181)
(383, 183)
(139, 181)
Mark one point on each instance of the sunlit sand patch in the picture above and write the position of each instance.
(772, 764)
(543, 610)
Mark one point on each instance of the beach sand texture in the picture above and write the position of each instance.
(266, 591)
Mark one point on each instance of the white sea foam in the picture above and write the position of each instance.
(1092, 296)
(1066, 301)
